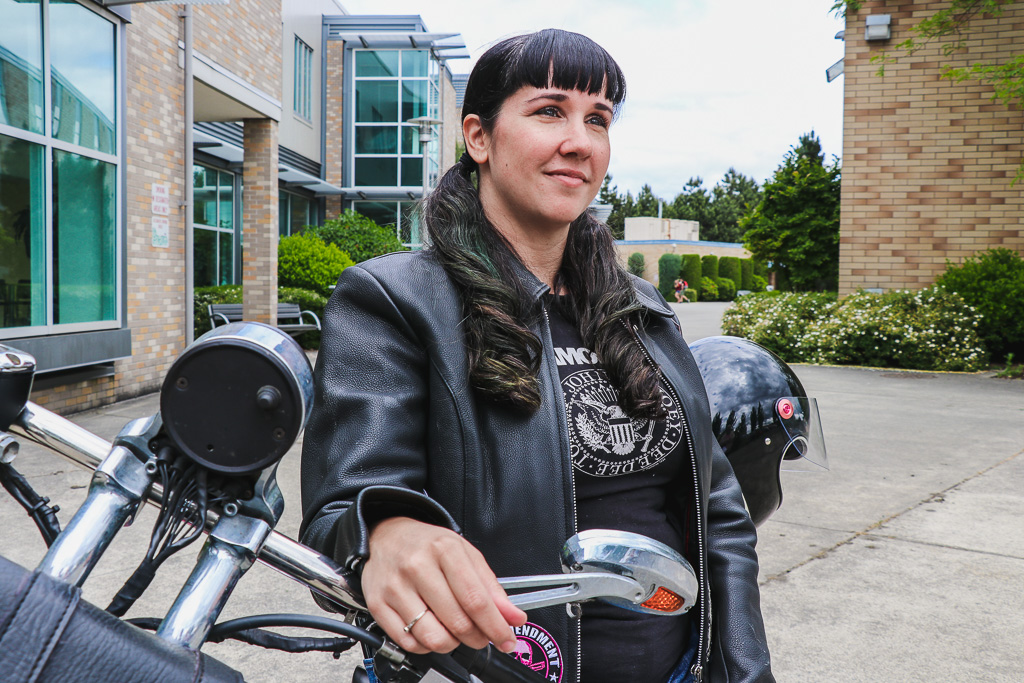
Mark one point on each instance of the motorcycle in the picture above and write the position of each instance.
(231, 406)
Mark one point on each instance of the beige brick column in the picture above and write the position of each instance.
(259, 221)
(334, 123)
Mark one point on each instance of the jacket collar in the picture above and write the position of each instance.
(538, 289)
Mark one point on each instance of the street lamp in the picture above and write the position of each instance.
(426, 125)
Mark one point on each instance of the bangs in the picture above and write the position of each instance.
(567, 61)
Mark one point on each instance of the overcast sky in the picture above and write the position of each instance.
(711, 84)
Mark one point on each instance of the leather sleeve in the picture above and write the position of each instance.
(363, 453)
(739, 646)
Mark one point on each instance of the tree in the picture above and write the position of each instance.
(646, 203)
(733, 196)
(951, 23)
(609, 194)
(796, 223)
(692, 204)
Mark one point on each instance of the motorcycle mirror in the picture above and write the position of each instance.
(17, 369)
(668, 580)
(236, 399)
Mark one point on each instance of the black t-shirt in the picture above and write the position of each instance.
(622, 468)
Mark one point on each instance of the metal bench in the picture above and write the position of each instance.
(289, 317)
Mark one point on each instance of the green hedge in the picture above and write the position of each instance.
(709, 266)
(993, 283)
(932, 329)
(729, 267)
(726, 289)
(690, 271)
(708, 289)
(232, 294)
(747, 274)
(308, 262)
(358, 236)
(668, 273)
(635, 264)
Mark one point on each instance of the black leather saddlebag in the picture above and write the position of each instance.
(48, 634)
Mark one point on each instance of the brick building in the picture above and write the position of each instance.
(927, 163)
(105, 171)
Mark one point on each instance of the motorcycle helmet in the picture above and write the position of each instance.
(761, 416)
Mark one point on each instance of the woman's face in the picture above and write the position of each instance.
(545, 158)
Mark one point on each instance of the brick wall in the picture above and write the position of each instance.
(245, 37)
(333, 129)
(259, 222)
(927, 163)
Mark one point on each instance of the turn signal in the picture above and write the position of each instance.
(664, 600)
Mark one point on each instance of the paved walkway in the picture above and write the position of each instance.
(905, 562)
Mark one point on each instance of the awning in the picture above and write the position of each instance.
(287, 174)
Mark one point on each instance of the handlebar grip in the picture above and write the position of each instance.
(492, 666)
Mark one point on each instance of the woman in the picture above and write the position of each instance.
(483, 400)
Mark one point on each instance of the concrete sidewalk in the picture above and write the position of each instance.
(905, 562)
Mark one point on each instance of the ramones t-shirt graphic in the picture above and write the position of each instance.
(623, 468)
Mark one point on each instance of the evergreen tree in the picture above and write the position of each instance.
(692, 204)
(796, 223)
(646, 203)
(609, 194)
(733, 196)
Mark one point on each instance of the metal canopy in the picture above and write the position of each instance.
(393, 39)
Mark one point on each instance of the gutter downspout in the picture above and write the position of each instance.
(189, 193)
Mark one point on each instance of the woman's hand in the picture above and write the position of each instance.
(415, 566)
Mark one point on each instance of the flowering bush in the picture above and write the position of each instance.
(932, 329)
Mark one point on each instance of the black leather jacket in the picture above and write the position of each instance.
(396, 430)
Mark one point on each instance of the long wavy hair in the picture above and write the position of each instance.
(504, 355)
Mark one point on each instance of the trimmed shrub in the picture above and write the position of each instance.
(358, 236)
(747, 274)
(729, 267)
(691, 294)
(758, 284)
(690, 271)
(726, 289)
(668, 272)
(709, 266)
(708, 289)
(204, 296)
(932, 329)
(308, 262)
(993, 283)
(635, 264)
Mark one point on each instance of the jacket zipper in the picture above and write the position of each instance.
(698, 668)
(575, 524)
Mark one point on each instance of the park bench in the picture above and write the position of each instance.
(289, 317)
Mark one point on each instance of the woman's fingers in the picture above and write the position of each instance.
(413, 566)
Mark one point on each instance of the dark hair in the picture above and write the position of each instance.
(504, 355)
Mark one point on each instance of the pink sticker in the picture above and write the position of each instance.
(538, 651)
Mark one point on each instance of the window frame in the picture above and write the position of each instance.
(433, 79)
(116, 159)
(302, 85)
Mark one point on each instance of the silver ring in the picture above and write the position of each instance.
(408, 627)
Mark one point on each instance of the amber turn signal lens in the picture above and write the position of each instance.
(664, 600)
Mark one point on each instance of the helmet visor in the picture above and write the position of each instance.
(805, 442)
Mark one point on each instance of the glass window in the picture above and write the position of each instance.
(204, 265)
(84, 245)
(376, 139)
(414, 63)
(21, 64)
(204, 194)
(396, 100)
(302, 88)
(82, 67)
(381, 213)
(227, 258)
(282, 214)
(382, 63)
(377, 171)
(414, 99)
(22, 234)
(412, 171)
(225, 212)
(377, 101)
